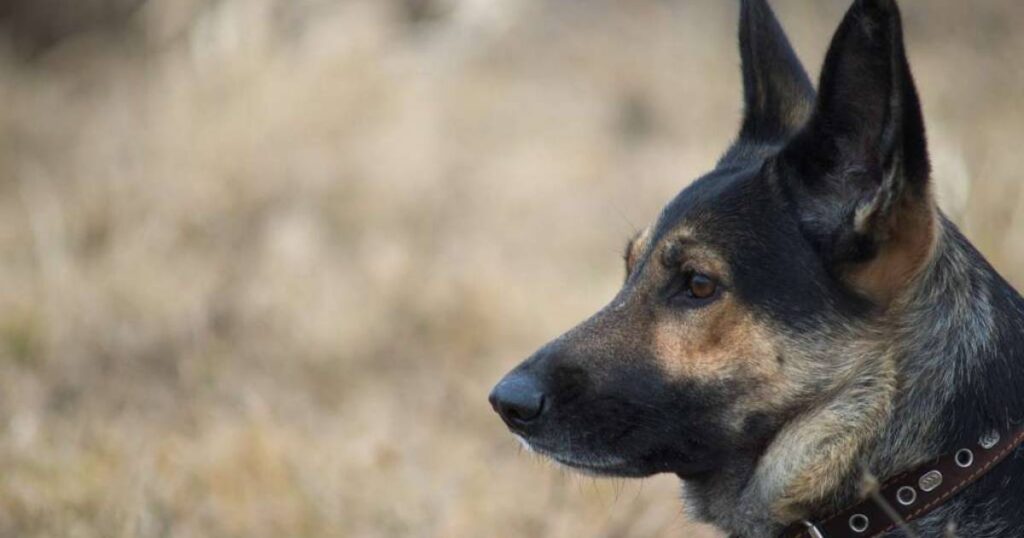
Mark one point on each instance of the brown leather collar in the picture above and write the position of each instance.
(914, 493)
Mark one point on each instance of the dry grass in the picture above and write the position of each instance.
(263, 259)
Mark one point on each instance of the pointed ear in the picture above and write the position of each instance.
(778, 95)
(858, 172)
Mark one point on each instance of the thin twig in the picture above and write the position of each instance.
(869, 484)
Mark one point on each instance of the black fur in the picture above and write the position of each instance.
(813, 187)
(777, 93)
(866, 138)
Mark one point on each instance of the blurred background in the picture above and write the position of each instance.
(262, 260)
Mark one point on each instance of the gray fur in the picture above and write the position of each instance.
(938, 340)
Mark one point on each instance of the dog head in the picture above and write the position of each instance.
(744, 302)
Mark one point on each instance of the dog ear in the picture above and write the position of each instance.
(858, 172)
(778, 96)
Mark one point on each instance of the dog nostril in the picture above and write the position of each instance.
(525, 413)
(518, 399)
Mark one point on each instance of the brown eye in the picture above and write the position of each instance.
(701, 286)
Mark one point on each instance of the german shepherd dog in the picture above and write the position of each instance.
(800, 317)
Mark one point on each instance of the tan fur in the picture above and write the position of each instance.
(911, 235)
(815, 454)
(636, 247)
(823, 446)
(721, 340)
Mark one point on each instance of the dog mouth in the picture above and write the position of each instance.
(614, 465)
(596, 466)
(600, 467)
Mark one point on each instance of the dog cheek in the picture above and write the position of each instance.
(718, 343)
(729, 348)
(686, 348)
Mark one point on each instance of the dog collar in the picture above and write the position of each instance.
(914, 493)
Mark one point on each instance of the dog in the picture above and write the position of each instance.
(800, 321)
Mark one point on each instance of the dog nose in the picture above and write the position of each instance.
(519, 399)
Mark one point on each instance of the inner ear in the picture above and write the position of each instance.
(906, 237)
(858, 173)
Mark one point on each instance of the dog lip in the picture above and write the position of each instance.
(586, 464)
(599, 468)
(590, 464)
(614, 466)
(685, 464)
(683, 467)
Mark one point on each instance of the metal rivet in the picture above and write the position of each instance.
(964, 457)
(906, 495)
(989, 440)
(930, 481)
(859, 523)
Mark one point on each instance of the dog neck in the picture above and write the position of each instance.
(960, 326)
(941, 371)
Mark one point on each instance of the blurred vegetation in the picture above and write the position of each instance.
(263, 259)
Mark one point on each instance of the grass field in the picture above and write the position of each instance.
(262, 260)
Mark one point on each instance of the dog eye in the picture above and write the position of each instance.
(701, 286)
(693, 290)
